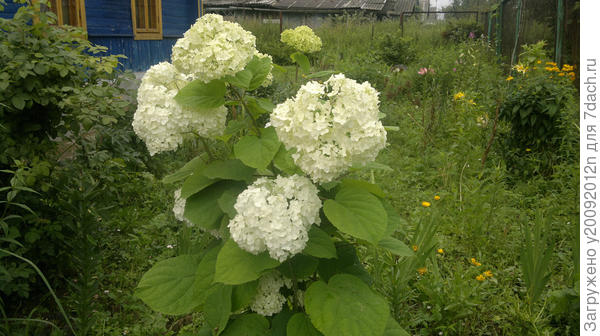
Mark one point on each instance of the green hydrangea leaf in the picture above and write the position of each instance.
(236, 266)
(393, 329)
(300, 325)
(346, 306)
(372, 188)
(203, 208)
(178, 285)
(243, 295)
(228, 170)
(346, 262)
(283, 161)
(257, 152)
(200, 95)
(248, 325)
(195, 182)
(218, 308)
(396, 247)
(279, 322)
(302, 61)
(358, 213)
(299, 267)
(319, 244)
(260, 68)
(241, 79)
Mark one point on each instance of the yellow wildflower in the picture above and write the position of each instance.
(422, 270)
(440, 251)
(472, 102)
(520, 68)
(551, 63)
(552, 68)
(572, 75)
(561, 74)
(509, 78)
(475, 262)
(528, 149)
(567, 68)
(436, 197)
(480, 277)
(459, 95)
(415, 248)
(539, 62)
(488, 274)
(426, 204)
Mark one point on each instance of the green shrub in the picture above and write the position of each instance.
(394, 49)
(535, 110)
(459, 31)
(64, 132)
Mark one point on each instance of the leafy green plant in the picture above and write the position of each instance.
(535, 258)
(10, 214)
(533, 110)
(462, 30)
(395, 49)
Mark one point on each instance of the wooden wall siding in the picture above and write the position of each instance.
(141, 54)
(178, 16)
(108, 18)
(9, 10)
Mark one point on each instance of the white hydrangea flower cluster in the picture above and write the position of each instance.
(213, 48)
(160, 121)
(332, 126)
(275, 216)
(268, 299)
(302, 38)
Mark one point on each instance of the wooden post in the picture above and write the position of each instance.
(280, 22)
(402, 24)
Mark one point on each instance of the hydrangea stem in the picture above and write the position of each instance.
(295, 288)
(207, 149)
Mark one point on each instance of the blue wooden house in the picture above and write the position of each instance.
(143, 30)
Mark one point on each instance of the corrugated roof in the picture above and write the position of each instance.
(317, 4)
(397, 6)
(223, 3)
(259, 3)
(375, 5)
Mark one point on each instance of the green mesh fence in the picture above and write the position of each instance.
(512, 23)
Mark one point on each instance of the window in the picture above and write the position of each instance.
(147, 19)
(69, 12)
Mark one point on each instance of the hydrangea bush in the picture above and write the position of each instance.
(302, 38)
(283, 213)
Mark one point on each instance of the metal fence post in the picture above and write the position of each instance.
(560, 12)
(499, 29)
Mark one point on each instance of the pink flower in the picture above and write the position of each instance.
(471, 35)
(422, 71)
(454, 69)
(431, 70)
